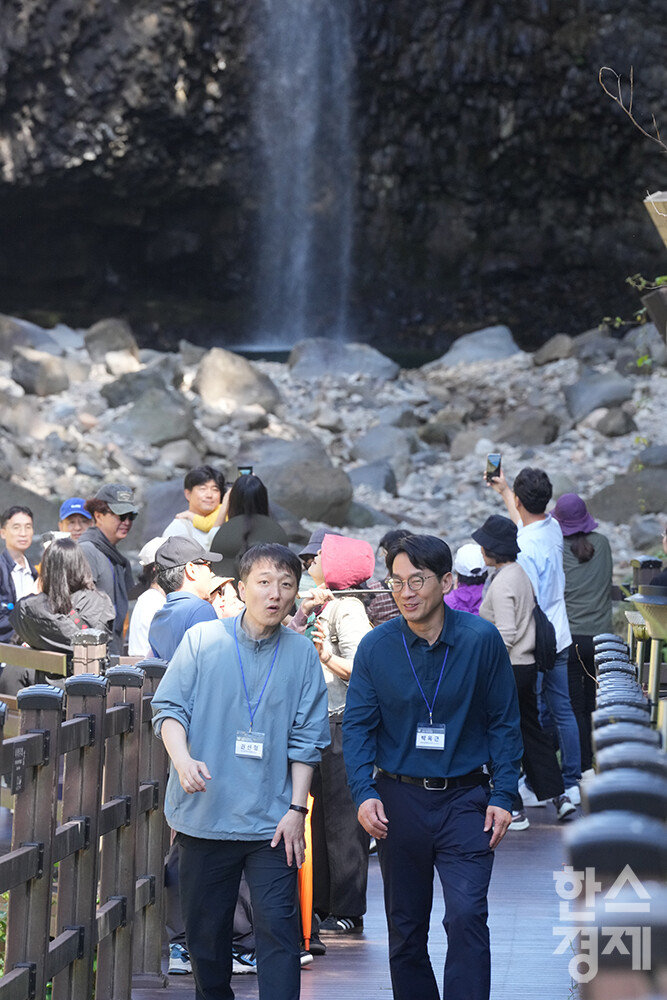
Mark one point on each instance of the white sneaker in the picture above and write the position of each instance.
(588, 774)
(573, 794)
(528, 796)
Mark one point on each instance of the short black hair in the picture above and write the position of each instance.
(171, 578)
(279, 555)
(391, 537)
(424, 552)
(203, 474)
(499, 557)
(534, 490)
(16, 509)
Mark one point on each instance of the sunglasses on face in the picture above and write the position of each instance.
(201, 562)
(126, 517)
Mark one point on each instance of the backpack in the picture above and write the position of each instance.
(545, 640)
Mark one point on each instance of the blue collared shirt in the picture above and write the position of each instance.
(476, 702)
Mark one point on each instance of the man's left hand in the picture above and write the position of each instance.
(291, 829)
(499, 820)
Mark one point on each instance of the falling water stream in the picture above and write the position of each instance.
(302, 118)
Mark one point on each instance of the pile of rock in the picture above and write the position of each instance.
(340, 434)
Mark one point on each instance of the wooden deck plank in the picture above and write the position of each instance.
(523, 910)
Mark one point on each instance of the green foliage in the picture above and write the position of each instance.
(642, 284)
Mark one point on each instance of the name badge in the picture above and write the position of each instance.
(249, 744)
(430, 738)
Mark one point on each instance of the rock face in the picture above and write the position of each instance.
(37, 372)
(225, 380)
(129, 170)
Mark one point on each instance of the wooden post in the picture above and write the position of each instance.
(82, 795)
(28, 925)
(152, 842)
(89, 649)
(118, 863)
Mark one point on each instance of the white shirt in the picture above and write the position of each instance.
(186, 529)
(147, 604)
(22, 580)
(541, 556)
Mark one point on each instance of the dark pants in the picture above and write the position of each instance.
(583, 690)
(539, 756)
(210, 873)
(340, 843)
(442, 830)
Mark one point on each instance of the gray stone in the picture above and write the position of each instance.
(399, 415)
(191, 353)
(181, 454)
(376, 475)
(251, 417)
(631, 494)
(526, 426)
(557, 348)
(490, 344)
(299, 475)
(320, 355)
(653, 457)
(121, 362)
(159, 416)
(158, 505)
(39, 373)
(595, 390)
(14, 333)
(224, 377)
(87, 466)
(133, 385)
(60, 340)
(647, 343)
(329, 419)
(110, 335)
(466, 442)
(616, 423)
(361, 515)
(439, 432)
(595, 346)
(393, 443)
(646, 532)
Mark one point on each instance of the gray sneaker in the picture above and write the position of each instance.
(564, 808)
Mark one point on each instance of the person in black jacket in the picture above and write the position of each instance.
(17, 575)
(67, 603)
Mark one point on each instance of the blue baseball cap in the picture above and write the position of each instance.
(75, 505)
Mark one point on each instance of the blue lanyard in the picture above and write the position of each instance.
(442, 670)
(252, 711)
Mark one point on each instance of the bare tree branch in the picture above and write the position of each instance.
(615, 91)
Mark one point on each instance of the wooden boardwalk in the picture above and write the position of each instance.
(523, 908)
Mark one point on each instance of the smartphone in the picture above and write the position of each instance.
(492, 466)
(244, 470)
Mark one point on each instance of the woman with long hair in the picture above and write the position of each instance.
(248, 521)
(587, 563)
(68, 601)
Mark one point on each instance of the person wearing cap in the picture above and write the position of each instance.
(430, 704)
(470, 572)
(184, 573)
(242, 713)
(541, 555)
(508, 603)
(148, 602)
(112, 510)
(588, 567)
(74, 518)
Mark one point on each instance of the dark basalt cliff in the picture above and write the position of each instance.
(492, 179)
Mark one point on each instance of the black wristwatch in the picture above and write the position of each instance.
(299, 809)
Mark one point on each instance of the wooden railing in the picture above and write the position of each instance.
(85, 869)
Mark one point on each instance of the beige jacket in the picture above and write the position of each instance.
(508, 603)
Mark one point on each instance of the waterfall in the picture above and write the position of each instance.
(302, 120)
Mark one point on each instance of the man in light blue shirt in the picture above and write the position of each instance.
(242, 711)
(541, 543)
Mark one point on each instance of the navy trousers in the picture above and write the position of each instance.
(210, 873)
(441, 830)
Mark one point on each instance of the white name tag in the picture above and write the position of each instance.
(430, 738)
(249, 744)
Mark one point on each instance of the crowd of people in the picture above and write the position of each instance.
(410, 707)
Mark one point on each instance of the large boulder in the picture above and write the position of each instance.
(299, 475)
(159, 416)
(38, 372)
(378, 476)
(132, 385)
(490, 344)
(318, 355)
(596, 390)
(225, 379)
(526, 426)
(557, 348)
(631, 494)
(392, 443)
(110, 335)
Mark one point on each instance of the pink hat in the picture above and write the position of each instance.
(572, 515)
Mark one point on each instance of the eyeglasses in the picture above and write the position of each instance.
(414, 583)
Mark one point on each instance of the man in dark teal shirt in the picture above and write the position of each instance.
(432, 704)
